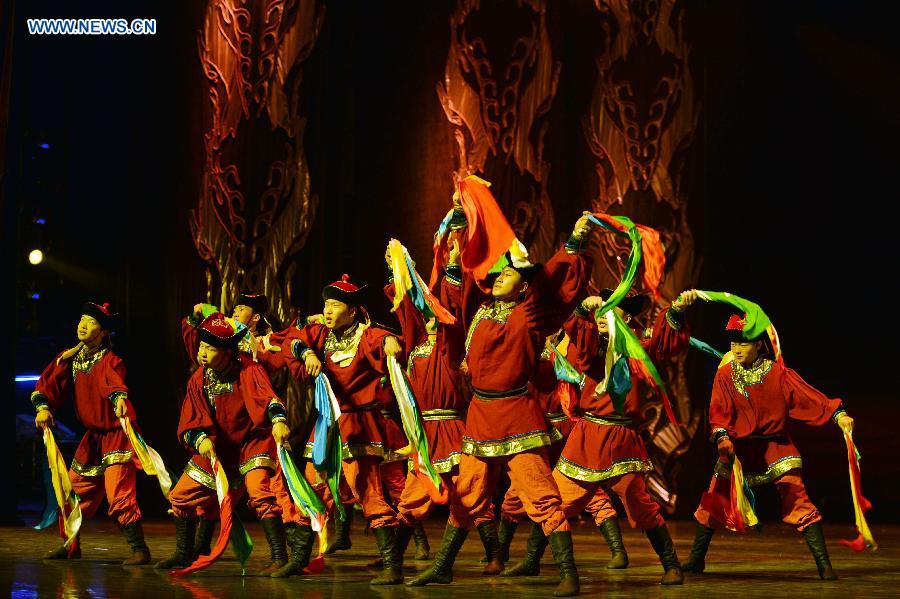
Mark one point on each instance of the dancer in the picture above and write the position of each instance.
(104, 464)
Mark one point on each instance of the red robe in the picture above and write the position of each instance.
(433, 372)
(233, 413)
(546, 388)
(95, 382)
(605, 443)
(755, 407)
(357, 386)
(503, 345)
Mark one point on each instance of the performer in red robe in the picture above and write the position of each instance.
(434, 354)
(604, 448)
(104, 464)
(231, 414)
(250, 310)
(506, 429)
(754, 400)
(353, 354)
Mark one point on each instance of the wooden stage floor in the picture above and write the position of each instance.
(776, 564)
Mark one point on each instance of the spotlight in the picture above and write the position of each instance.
(36, 256)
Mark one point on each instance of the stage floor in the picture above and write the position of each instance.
(776, 564)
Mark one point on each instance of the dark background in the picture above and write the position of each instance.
(790, 190)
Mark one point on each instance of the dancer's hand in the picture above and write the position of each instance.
(726, 449)
(206, 449)
(313, 364)
(684, 300)
(280, 432)
(846, 423)
(453, 243)
(392, 346)
(121, 408)
(315, 319)
(583, 226)
(198, 311)
(591, 303)
(43, 419)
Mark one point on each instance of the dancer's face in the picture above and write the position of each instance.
(89, 330)
(746, 352)
(213, 357)
(603, 324)
(245, 315)
(337, 314)
(508, 284)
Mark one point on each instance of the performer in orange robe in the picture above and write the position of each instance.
(506, 429)
(434, 354)
(231, 414)
(353, 354)
(250, 310)
(604, 448)
(754, 400)
(104, 464)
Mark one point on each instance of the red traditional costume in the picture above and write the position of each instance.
(235, 409)
(604, 447)
(104, 464)
(752, 407)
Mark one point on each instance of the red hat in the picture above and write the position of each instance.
(344, 291)
(218, 331)
(735, 329)
(100, 312)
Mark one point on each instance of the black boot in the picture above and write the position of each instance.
(661, 541)
(392, 542)
(301, 539)
(203, 542)
(564, 556)
(185, 529)
(274, 531)
(341, 541)
(815, 539)
(441, 570)
(62, 553)
(696, 561)
(534, 551)
(423, 549)
(505, 534)
(491, 541)
(610, 530)
(134, 536)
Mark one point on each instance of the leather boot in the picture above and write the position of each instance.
(534, 551)
(696, 561)
(185, 529)
(505, 534)
(301, 539)
(274, 531)
(392, 542)
(491, 541)
(423, 548)
(815, 539)
(610, 530)
(661, 541)
(203, 542)
(134, 536)
(341, 540)
(561, 545)
(441, 570)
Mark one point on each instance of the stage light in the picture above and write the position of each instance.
(36, 257)
(27, 378)
(40, 221)
(35, 296)
(45, 146)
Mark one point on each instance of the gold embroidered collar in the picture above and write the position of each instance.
(85, 359)
(218, 383)
(745, 377)
(497, 310)
(343, 349)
